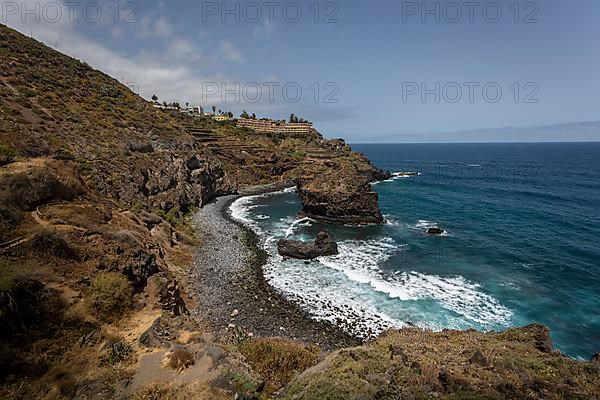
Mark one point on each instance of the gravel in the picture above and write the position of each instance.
(227, 276)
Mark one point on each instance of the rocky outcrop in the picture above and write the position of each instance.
(342, 204)
(323, 246)
(435, 231)
(173, 181)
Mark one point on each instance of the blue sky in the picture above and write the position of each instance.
(369, 62)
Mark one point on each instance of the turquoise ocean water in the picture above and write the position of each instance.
(522, 243)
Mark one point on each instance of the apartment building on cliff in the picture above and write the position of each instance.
(271, 126)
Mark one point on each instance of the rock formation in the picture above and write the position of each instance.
(338, 198)
(435, 231)
(323, 246)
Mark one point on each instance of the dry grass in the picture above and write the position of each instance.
(178, 360)
(110, 295)
(166, 391)
(279, 360)
(419, 364)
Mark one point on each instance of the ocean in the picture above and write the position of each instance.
(522, 240)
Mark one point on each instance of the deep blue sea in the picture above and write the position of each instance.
(522, 243)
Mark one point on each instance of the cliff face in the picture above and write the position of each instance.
(95, 189)
(339, 191)
(54, 106)
(330, 199)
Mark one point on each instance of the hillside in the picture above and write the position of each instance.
(96, 192)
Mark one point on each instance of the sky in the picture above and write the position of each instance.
(378, 71)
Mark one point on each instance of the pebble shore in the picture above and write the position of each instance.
(228, 284)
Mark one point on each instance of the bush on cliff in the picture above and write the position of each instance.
(110, 295)
(278, 360)
(7, 154)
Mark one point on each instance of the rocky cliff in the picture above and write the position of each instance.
(96, 187)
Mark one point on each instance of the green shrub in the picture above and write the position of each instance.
(299, 155)
(7, 154)
(110, 295)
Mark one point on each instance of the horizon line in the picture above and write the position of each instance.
(515, 142)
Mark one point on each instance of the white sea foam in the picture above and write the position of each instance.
(398, 175)
(300, 222)
(354, 292)
(240, 209)
(423, 225)
(360, 262)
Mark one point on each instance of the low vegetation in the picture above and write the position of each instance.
(110, 295)
(278, 360)
(417, 364)
(169, 391)
(7, 154)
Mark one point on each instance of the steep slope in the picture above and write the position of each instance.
(54, 106)
(95, 189)
(417, 364)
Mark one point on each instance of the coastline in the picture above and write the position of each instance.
(227, 276)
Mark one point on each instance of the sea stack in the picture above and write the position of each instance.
(323, 246)
(340, 197)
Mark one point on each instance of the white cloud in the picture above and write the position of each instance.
(147, 27)
(183, 49)
(173, 67)
(228, 51)
(264, 29)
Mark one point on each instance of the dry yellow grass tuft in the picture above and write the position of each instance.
(279, 360)
(166, 391)
(110, 295)
(178, 360)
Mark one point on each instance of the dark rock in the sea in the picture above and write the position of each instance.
(323, 246)
(435, 231)
(479, 359)
(333, 202)
(596, 358)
